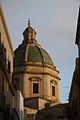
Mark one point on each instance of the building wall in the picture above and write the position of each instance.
(57, 112)
(18, 104)
(5, 39)
(74, 96)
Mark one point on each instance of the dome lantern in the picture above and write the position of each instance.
(29, 34)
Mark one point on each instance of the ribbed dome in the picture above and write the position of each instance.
(30, 50)
(32, 53)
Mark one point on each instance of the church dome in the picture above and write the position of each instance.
(34, 70)
(30, 50)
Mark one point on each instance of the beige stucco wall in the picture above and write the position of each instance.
(6, 41)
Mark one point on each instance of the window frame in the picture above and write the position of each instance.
(35, 86)
(53, 90)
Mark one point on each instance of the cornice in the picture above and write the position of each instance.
(36, 65)
(36, 73)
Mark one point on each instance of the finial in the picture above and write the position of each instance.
(29, 22)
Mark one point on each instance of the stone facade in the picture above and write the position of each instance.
(57, 112)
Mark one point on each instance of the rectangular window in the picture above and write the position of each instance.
(35, 87)
(9, 66)
(53, 91)
(3, 54)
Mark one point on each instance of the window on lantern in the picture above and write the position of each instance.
(53, 91)
(35, 87)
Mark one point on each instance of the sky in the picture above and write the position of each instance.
(55, 22)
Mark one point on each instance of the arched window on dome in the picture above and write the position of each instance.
(53, 90)
(53, 84)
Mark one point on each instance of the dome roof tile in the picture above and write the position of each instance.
(32, 53)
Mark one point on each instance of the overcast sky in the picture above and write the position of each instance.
(55, 22)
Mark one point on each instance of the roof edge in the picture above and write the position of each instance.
(6, 28)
